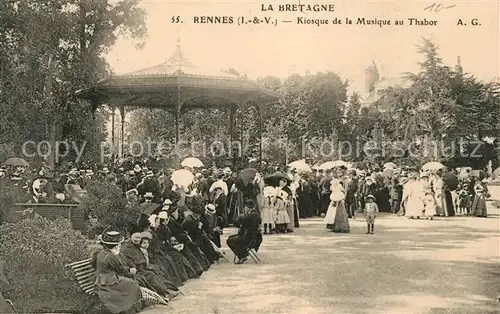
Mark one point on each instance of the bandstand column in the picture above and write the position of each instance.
(113, 150)
(261, 125)
(242, 138)
(93, 150)
(122, 140)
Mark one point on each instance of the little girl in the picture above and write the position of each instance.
(282, 218)
(267, 211)
(371, 211)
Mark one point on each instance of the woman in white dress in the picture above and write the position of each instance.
(336, 217)
(412, 197)
(428, 197)
(267, 212)
(281, 206)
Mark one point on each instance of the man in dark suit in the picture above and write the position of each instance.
(350, 198)
(249, 235)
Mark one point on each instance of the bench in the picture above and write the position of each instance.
(85, 275)
(72, 212)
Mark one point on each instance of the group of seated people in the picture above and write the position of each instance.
(164, 250)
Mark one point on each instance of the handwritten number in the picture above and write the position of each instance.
(438, 7)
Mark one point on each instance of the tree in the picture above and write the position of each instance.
(52, 48)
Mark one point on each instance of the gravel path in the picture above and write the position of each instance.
(448, 265)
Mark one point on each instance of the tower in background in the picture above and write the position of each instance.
(371, 77)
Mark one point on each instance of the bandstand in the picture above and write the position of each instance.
(178, 86)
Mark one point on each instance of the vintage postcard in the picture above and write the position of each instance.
(244, 157)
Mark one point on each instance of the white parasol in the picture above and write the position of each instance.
(182, 178)
(192, 162)
(390, 165)
(332, 164)
(300, 166)
(432, 166)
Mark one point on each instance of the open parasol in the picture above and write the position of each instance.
(432, 166)
(300, 166)
(390, 165)
(150, 208)
(182, 178)
(333, 164)
(275, 178)
(192, 162)
(16, 162)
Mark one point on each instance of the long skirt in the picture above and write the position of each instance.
(414, 207)
(267, 215)
(282, 217)
(159, 283)
(198, 254)
(341, 222)
(123, 296)
(479, 206)
(430, 206)
(193, 261)
(184, 268)
(330, 215)
(449, 209)
(171, 269)
(292, 211)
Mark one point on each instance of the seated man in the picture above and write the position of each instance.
(249, 235)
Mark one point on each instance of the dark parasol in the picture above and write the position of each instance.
(275, 178)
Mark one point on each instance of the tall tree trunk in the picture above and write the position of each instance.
(52, 127)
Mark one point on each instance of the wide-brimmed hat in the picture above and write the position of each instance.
(370, 196)
(147, 235)
(149, 195)
(105, 170)
(111, 238)
(137, 168)
(134, 229)
(210, 208)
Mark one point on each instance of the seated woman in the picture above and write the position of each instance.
(115, 285)
(194, 227)
(163, 244)
(249, 235)
(131, 250)
(190, 249)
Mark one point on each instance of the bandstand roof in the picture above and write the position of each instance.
(177, 81)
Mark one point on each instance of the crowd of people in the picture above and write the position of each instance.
(178, 235)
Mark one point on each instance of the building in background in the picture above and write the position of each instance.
(376, 84)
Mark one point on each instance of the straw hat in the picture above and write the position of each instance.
(210, 208)
(111, 238)
(370, 196)
(149, 195)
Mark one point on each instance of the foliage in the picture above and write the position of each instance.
(50, 49)
(10, 195)
(105, 201)
(35, 251)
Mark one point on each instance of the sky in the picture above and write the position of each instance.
(261, 50)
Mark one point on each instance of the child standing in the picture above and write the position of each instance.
(371, 211)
